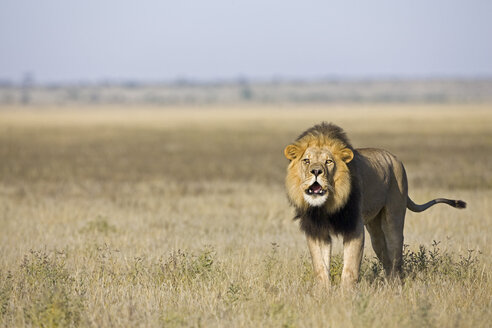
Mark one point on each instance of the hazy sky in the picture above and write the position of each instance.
(68, 40)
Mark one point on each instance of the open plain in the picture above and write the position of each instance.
(177, 217)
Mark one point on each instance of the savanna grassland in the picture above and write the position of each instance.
(177, 217)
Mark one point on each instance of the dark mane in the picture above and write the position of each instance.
(318, 223)
(328, 130)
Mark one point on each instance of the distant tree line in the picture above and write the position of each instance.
(182, 92)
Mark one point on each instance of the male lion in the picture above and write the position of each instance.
(336, 189)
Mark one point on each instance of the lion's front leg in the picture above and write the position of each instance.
(353, 247)
(321, 256)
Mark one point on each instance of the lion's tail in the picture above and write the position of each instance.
(419, 208)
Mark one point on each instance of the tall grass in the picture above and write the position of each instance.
(178, 218)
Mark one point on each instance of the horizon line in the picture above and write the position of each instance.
(30, 79)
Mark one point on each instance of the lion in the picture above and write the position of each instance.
(336, 190)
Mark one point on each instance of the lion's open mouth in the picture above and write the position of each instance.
(315, 189)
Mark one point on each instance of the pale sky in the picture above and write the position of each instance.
(159, 40)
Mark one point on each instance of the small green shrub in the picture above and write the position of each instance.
(184, 268)
(173, 319)
(434, 261)
(336, 268)
(425, 263)
(272, 261)
(6, 289)
(235, 294)
(99, 225)
(48, 292)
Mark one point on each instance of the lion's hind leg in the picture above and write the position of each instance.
(378, 241)
(392, 226)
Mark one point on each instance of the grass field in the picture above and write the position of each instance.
(178, 217)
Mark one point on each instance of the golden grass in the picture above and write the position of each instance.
(178, 217)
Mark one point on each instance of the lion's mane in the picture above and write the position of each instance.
(339, 214)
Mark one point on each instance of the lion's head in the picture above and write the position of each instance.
(318, 175)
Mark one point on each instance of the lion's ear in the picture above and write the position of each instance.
(291, 152)
(346, 155)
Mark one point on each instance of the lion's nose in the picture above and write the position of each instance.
(316, 172)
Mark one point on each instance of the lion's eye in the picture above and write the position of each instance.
(329, 161)
(306, 161)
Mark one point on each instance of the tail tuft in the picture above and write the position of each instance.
(459, 204)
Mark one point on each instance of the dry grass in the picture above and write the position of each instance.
(178, 217)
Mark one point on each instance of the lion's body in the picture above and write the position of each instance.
(384, 202)
(337, 189)
(383, 180)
